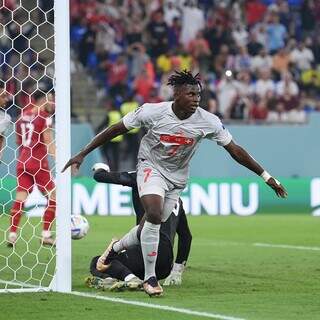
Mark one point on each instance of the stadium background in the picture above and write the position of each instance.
(269, 100)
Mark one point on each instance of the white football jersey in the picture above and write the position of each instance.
(5, 121)
(170, 142)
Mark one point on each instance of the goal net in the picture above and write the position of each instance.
(35, 243)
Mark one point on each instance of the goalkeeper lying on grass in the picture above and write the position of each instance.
(120, 266)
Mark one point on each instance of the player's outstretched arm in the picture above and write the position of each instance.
(244, 158)
(104, 136)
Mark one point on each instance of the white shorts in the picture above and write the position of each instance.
(150, 181)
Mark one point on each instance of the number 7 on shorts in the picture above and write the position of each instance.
(147, 172)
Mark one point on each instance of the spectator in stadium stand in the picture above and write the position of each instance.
(244, 83)
(227, 90)
(117, 76)
(165, 92)
(223, 61)
(254, 11)
(261, 61)
(134, 30)
(279, 115)
(315, 46)
(137, 58)
(87, 43)
(240, 35)
(264, 83)
(200, 52)
(158, 34)
(143, 84)
(213, 107)
(288, 101)
(171, 12)
(174, 34)
(154, 96)
(302, 57)
(260, 30)
(259, 110)
(276, 34)
(239, 107)
(281, 62)
(111, 149)
(310, 81)
(242, 61)
(297, 115)
(164, 62)
(207, 93)
(193, 20)
(308, 16)
(254, 46)
(286, 86)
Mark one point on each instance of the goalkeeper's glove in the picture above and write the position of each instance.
(175, 276)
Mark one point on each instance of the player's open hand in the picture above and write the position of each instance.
(75, 162)
(277, 187)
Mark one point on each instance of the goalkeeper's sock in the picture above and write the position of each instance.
(49, 215)
(126, 241)
(149, 245)
(16, 213)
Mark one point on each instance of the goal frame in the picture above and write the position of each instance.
(62, 280)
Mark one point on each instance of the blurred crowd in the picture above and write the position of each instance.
(259, 60)
(26, 50)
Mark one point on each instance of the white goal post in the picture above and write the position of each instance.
(29, 266)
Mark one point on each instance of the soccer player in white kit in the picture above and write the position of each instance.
(174, 131)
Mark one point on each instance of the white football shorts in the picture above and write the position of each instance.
(150, 181)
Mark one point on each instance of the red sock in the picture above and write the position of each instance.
(16, 212)
(49, 215)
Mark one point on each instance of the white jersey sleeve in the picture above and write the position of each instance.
(141, 117)
(5, 121)
(216, 131)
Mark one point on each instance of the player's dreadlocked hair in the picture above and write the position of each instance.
(180, 78)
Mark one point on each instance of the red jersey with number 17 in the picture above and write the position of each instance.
(32, 148)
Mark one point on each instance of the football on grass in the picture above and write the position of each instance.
(79, 227)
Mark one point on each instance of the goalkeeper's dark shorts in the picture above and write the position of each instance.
(131, 261)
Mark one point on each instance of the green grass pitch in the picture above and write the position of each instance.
(227, 273)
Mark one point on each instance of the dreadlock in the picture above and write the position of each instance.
(180, 78)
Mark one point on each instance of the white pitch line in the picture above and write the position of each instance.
(18, 284)
(285, 246)
(156, 306)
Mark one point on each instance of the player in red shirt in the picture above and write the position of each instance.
(35, 141)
